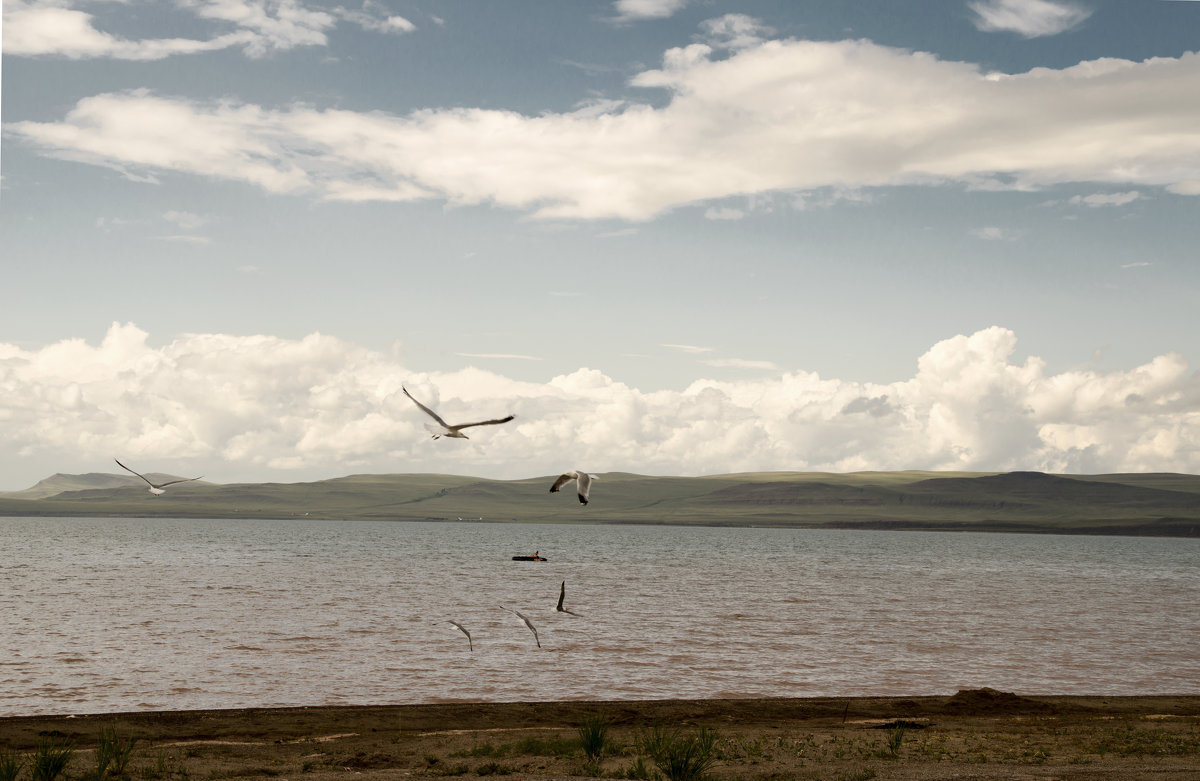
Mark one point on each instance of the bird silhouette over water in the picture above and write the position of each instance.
(463, 629)
(562, 594)
(157, 488)
(444, 429)
(583, 483)
(528, 623)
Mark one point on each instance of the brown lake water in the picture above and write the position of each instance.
(103, 615)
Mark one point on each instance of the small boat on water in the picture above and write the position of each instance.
(535, 557)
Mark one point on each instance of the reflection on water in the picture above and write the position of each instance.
(126, 614)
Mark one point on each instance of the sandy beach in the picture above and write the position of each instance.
(978, 734)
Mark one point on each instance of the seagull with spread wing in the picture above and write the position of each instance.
(562, 594)
(463, 629)
(528, 623)
(157, 488)
(444, 429)
(583, 483)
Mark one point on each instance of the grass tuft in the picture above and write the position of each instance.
(51, 759)
(10, 765)
(593, 734)
(680, 757)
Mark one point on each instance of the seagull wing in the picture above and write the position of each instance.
(181, 480)
(428, 411)
(127, 469)
(528, 623)
(463, 629)
(481, 423)
(584, 484)
(562, 480)
(561, 595)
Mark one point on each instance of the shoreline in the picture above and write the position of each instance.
(980, 733)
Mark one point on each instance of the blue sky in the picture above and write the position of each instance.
(671, 236)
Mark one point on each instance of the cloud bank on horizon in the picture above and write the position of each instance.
(256, 408)
(744, 113)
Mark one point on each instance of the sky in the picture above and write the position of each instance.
(671, 236)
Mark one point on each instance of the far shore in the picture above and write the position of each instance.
(978, 733)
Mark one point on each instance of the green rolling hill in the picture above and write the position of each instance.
(1140, 504)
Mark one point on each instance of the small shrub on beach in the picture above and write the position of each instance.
(680, 757)
(51, 760)
(638, 771)
(113, 753)
(10, 765)
(593, 734)
(895, 737)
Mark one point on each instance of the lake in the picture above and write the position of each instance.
(113, 614)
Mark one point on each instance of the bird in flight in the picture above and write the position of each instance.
(562, 594)
(463, 629)
(157, 488)
(583, 483)
(529, 624)
(444, 429)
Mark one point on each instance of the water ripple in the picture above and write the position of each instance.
(127, 614)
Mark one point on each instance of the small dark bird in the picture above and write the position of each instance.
(528, 623)
(444, 429)
(583, 483)
(463, 629)
(157, 488)
(562, 594)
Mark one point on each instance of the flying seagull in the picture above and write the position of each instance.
(583, 483)
(157, 488)
(463, 629)
(532, 628)
(444, 429)
(561, 596)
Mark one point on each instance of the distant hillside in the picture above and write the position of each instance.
(1161, 504)
(57, 484)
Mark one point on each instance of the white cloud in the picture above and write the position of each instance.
(53, 27)
(185, 220)
(1098, 200)
(688, 348)
(740, 363)
(779, 116)
(735, 31)
(374, 16)
(630, 10)
(1030, 18)
(260, 27)
(263, 407)
(723, 213)
(319, 402)
(992, 233)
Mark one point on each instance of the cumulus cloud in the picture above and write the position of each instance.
(1098, 200)
(735, 31)
(1030, 18)
(632, 10)
(374, 16)
(777, 116)
(260, 27)
(264, 407)
(54, 27)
